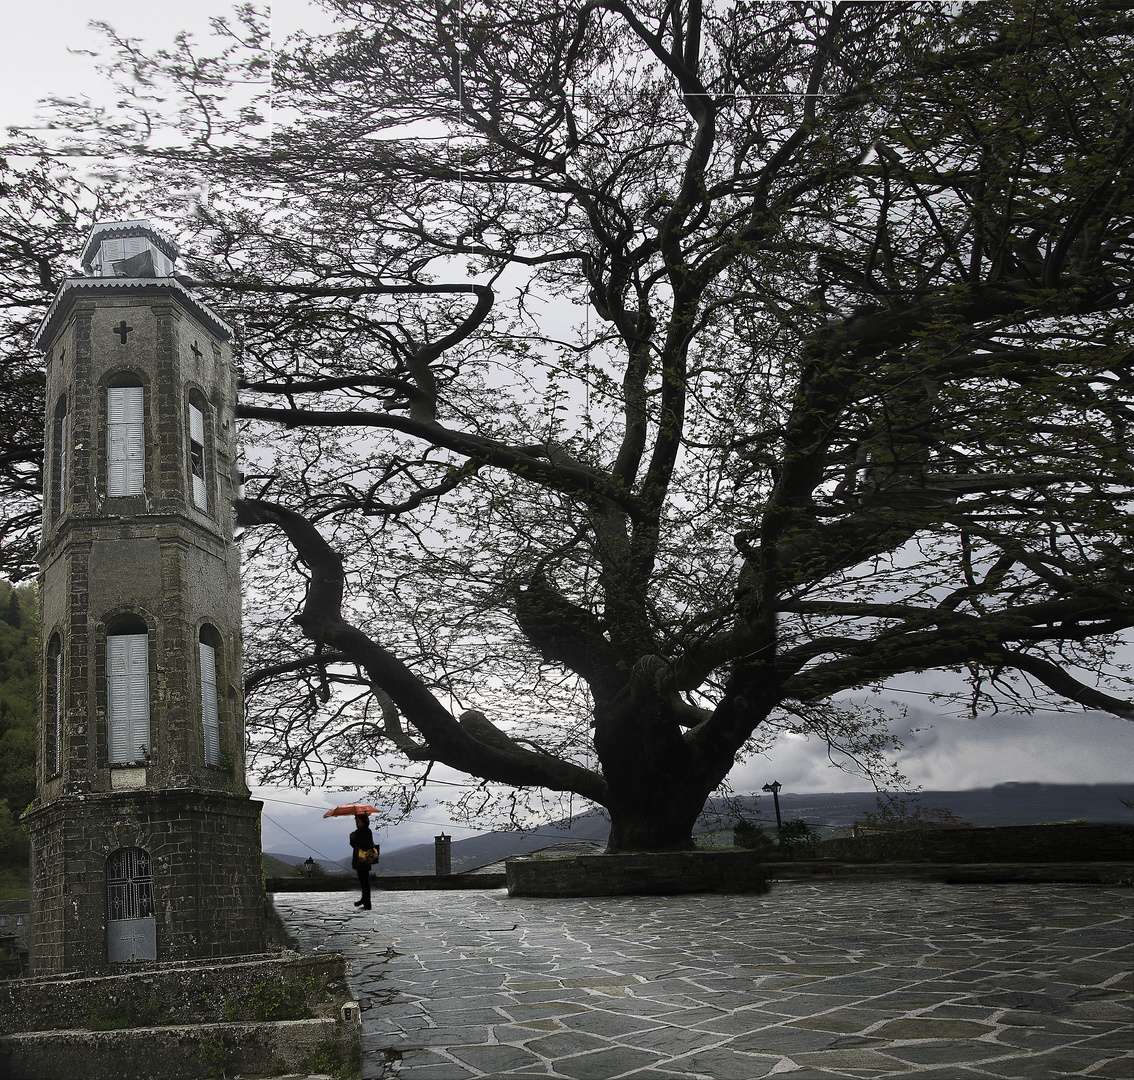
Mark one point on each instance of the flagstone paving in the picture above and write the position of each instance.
(827, 979)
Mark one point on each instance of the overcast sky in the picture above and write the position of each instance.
(40, 55)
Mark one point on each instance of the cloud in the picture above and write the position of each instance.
(955, 752)
(952, 753)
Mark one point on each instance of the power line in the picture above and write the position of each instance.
(299, 841)
(412, 820)
(409, 820)
(377, 772)
(953, 693)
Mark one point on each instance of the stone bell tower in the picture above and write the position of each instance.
(145, 843)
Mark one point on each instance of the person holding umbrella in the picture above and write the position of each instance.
(362, 841)
(364, 852)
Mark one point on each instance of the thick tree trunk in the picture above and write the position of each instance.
(661, 824)
(656, 786)
(658, 775)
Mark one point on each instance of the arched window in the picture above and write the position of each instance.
(59, 441)
(53, 719)
(125, 440)
(208, 647)
(128, 691)
(198, 474)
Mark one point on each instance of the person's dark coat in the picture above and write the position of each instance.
(360, 840)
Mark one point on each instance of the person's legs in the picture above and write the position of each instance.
(364, 882)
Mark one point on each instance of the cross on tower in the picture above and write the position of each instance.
(195, 351)
(122, 330)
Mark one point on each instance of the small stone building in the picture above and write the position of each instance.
(14, 938)
(145, 843)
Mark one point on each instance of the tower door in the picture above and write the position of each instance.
(131, 930)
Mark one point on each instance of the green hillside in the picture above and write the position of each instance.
(18, 650)
(276, 868)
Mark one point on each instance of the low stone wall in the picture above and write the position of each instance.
(1011, 843)
(399, 882)
(641, 874)
(991, 873)
(427, 882)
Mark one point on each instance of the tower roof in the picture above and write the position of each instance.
(127, 257)
(137, 228)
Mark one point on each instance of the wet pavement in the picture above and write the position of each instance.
(837, 978)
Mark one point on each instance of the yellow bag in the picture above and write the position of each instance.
(368, 856)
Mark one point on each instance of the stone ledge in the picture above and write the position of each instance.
(638, 874)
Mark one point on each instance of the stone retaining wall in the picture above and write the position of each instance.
(182, 1021)
(640, 874)
(181, 1052)
(178, 993)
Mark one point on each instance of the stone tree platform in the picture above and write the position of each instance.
(559, 872)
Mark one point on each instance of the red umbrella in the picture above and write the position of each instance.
(351, 809)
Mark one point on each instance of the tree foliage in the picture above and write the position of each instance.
(897, 814)
(624, 383)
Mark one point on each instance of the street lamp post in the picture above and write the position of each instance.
(774, 788)
(309, 866)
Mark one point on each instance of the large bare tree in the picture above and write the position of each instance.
(626, 381)
(40, 210)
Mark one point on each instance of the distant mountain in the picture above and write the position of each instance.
(1005, 804)
(329, 867)
(491, 847)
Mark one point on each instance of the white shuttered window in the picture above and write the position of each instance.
(126, 443)
(210, 715)
(57, 763)
(61, 429)
(197, 456)
(128, 696)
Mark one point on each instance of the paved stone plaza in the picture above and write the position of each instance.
(835, 978)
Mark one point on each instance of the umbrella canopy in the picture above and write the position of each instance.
(350, 809)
